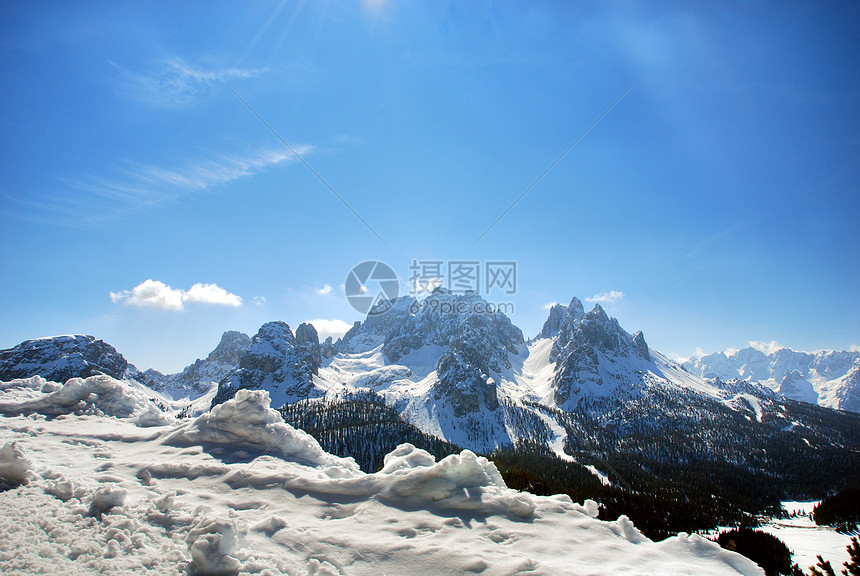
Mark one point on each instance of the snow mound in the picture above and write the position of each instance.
(98, 395)
(15, 465)
(247, 421)
(211, 542)
(462, 481)
(106, 498)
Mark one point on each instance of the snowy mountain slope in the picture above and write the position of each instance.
(93, 494)
(470, 378)
(828, 378)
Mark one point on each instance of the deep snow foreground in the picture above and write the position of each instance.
(239, 491)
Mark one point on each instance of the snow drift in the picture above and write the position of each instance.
(99, 395)
(239, 491)
(247, 421)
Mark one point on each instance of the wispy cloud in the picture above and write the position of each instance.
(549, 305)
(606, 297)
(334, 328)
(854, 348)
(325, 290)
(148, 182)
(176, 83)
(93, 200)
(155, 294)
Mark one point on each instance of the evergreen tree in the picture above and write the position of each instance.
(853, 568)
(823, 568)
(764, 549)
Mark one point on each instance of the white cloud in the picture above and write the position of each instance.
(325, 290)
(854, 348)
(259, 300)
(150, 293)
(211, 294)
(155, 294)
(766, 347)
(334, 328)
(606, 297)
(549, 305)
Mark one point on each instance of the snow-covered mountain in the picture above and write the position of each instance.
(277, 361)
(63, 357)
(827, 378)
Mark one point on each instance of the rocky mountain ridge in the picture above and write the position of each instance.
(827, 378)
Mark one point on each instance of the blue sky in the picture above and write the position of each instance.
(142, 202)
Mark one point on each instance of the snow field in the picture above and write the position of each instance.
(237, 491)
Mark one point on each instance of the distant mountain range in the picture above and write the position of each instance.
(827, 378)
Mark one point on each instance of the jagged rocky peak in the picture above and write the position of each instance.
(640, 346)
(277, 361)
(572, 327)
(231, 348)
(409, 324)
(328, 348)
(272, 342)
(62, 357)
(308, 340)
(364, 336)
(195, 380)
(559, 314)
(442, 318)
(593, 355)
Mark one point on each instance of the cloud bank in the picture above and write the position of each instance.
(155, 294)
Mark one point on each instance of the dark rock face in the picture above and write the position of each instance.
(231, 348)
(308, 340)
(479, 348)
(61, 358)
